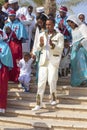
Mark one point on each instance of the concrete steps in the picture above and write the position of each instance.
(43, 124)
(58, 113)
(69, 114)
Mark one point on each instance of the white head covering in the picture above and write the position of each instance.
(80, 14)
(74, 19)
(40, 9)
(12, 1)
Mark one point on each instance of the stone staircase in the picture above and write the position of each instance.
(69, 114)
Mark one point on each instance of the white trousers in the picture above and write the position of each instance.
(25, 79)
(48, 73)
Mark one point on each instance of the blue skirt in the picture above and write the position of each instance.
(78, 66)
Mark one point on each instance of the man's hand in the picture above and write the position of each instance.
(41, 41)
(51, 44)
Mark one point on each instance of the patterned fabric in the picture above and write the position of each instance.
(5, 53)
(65, 29)
(18, 28)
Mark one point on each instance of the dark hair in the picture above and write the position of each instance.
(5, 1)
(51, 15)
(26, 54)
(43, 18)
(31, 7)
(51, 19)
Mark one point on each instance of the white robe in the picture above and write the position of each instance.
(29, 21)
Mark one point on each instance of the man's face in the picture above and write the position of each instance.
(62, 14)
(12, 17)
(14, 6)
(30, 10)
(6, 5)
(49, 25)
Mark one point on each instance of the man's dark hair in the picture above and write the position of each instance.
(31, 7)
(5, 1)
(51, 19)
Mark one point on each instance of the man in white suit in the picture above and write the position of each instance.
(51, 44)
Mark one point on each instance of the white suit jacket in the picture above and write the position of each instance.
(54, 54)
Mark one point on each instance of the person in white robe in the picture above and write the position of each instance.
(5, 6)
(28, 19)
(78, 52)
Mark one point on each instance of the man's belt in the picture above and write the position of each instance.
(55, 55)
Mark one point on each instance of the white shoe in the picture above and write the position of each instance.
(53, 103)
(19, 85)
(2, 110)
(37, 107)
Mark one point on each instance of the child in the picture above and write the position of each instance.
(65, 61)
(25, 70)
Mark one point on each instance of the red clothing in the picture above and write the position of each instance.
(16, 49)
(3, 86)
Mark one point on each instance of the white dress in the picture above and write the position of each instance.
(29, 21)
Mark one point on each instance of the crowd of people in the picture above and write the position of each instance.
(56, 44)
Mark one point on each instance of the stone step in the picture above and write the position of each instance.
(69, 99)
(20, 104)
(23, 104)
(33, 88)
(69, 114)
(41, 124)
(52, 113)
(80, 91)
(64, 89)
(16, 122)
(7, 127)
(62, 98)
(61, 81)
(25, 96)
(72, 107)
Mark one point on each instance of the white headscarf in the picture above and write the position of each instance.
(40, 9)
(74, 19)
(12, 1)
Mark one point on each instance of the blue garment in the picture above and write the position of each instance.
(5, 55)
(18, 28)
(58, 20)
(78, 64)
